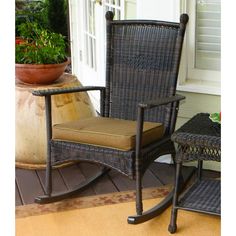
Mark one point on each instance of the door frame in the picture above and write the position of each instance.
(77, 25)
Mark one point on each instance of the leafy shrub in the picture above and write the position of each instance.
(31, 10)
(57, 16)
(39, 46)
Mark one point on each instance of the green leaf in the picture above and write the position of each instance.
(42, 47)
(215, 117)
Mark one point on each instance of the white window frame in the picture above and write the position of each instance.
(192, 79)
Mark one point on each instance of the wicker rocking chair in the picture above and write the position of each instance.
(138, 112)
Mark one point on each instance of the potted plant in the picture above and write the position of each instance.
(40, 54)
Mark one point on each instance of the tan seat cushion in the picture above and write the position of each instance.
(107, 132)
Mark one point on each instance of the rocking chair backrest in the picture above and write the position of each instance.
(143, 60)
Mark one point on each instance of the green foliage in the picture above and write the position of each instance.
(57, 16)
(31, 10)
(39, 45)
(216, 117)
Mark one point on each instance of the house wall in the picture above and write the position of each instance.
(195, 102)
(130, 9)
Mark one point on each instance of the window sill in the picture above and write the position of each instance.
(199, 86)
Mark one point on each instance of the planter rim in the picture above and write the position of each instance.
(42, 65)
(39, 73)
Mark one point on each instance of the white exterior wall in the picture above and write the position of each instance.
(74, 36)
(166, 10)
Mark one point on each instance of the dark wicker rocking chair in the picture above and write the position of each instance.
(139, 100)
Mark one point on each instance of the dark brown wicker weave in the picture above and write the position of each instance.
(198, 140)
(143, 60)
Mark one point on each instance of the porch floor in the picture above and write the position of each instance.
(30, 183)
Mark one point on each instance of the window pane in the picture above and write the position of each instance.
(90, 34)
(208, 34)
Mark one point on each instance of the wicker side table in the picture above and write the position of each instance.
(198, 140)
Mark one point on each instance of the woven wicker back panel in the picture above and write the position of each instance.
(142, 64)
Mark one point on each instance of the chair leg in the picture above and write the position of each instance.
(139, 200)
(139, 203)
(199, 171)
(48, 108)
(48, 179)
(178, 182)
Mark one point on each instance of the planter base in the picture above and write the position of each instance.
(30, 118)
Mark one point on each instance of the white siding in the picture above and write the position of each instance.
(158, 9)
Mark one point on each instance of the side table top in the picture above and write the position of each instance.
(199, 131)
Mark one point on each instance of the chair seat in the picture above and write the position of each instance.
(107, 132)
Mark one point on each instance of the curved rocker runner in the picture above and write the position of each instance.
(60, 196)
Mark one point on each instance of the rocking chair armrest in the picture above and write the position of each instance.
(161, 101)
(140, 119)
(46, 92)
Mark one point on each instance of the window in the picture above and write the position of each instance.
(207, 35)
(202, 57)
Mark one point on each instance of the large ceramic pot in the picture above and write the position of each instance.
(30, 124)
(39, 73)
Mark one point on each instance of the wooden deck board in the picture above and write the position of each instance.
(29, 185)
(58, 184)
(166, 173)
(73, 176)
(17, 196)
(210, 174)
(123, 183)
(104, 185)
(150, 180)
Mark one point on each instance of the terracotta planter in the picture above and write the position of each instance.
(40, 73)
